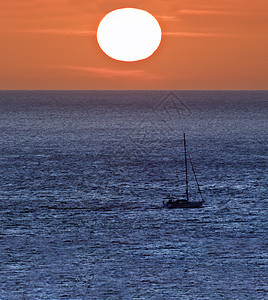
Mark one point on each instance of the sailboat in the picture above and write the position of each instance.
(185, 203)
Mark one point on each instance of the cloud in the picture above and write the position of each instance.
(220, 12)
(210, 34)
(207, 12)
(166, 18)
(196, 34)
(111, 73)
(61, 32)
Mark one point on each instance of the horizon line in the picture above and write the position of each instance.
(133, 90)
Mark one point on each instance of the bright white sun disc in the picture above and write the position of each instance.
(129, 34)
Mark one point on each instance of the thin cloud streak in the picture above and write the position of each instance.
(166, 18)
(208, 34)
(197, 34)
(217, 12)
(93, 33)
(111, 73)
(62, 32)
(208, 12)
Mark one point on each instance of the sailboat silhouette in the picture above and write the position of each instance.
(185, 203)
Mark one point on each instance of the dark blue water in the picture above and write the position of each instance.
(83, 177)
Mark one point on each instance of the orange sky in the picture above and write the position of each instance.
(206, 44)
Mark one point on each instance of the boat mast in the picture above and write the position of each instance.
(186, 175)
(198, 186)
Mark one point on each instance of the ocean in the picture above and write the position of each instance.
(83, 178)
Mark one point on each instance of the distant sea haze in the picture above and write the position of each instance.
(83, 177)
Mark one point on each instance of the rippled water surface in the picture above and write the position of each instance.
(83, 177)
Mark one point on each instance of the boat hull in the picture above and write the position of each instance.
(184, 204)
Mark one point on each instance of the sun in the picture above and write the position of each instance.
(129, 34)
